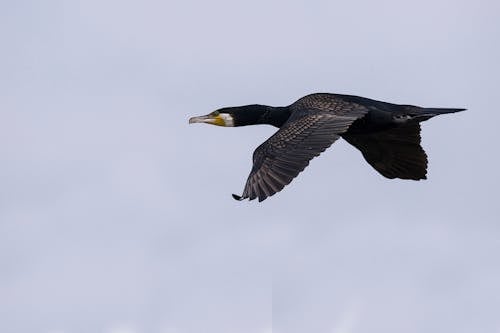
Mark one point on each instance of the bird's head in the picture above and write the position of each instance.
(243, 115)
(222, 117)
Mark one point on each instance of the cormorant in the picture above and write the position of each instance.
(388, 136)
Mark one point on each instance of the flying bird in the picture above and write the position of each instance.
(388, 136)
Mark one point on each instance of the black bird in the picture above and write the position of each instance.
(388, 136)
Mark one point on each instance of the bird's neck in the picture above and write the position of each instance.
(261, 114)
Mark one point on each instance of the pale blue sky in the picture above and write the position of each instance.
(116, 215)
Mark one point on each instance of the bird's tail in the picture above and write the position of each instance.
(421, 114)
(437, 111)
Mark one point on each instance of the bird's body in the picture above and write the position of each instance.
(388, 136)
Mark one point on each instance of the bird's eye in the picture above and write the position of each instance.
(215, 113)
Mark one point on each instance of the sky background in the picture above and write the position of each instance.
(116, 215)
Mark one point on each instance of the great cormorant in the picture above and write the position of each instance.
(388, 136)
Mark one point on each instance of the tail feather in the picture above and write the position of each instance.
(436, 111)
(422, 114)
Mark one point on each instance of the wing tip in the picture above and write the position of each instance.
(241, 198)
(237, 197)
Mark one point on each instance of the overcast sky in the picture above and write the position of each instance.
(116, 215)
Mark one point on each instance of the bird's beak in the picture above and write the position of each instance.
(202, 119)
(219, 120)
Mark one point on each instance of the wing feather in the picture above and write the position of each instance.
(288, 152)
(395, 153)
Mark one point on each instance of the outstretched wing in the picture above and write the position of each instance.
(284, 155)
(394, 153)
